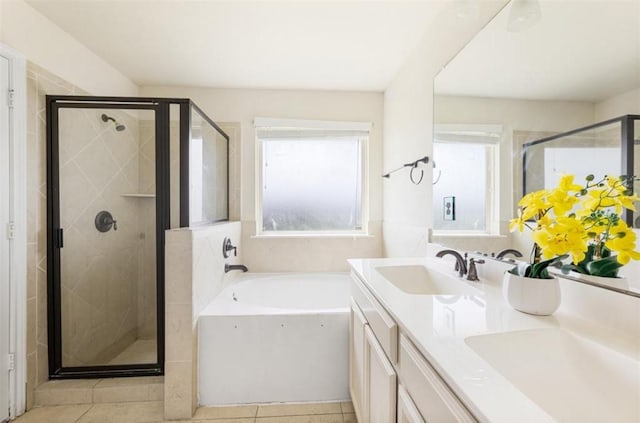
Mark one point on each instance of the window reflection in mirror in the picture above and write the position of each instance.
(465, 179)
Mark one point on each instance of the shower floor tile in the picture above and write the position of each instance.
(141, 351)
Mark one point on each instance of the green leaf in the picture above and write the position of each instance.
(521, 269)
(607, 267)
(539, 270)
(566, 268)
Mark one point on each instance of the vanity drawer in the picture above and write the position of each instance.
(381, 323)
(431, 395)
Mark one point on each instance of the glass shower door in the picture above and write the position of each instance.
(107, 236)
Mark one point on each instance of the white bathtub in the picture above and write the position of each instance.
(276, 338)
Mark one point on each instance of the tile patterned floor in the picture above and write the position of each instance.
(153, 412)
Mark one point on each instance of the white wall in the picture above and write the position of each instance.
(47, 45)
(623, 104)
(243, 105)
(408, 123)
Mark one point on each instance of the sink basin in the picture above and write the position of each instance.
(572, 379)
(417, 279)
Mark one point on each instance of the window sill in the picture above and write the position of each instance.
(312, 235)
(466, 235)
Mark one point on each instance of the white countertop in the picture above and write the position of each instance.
(438, 326)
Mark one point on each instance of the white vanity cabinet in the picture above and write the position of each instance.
(407, 411)
(380, 387)
(390, 380)
(357, 363)
(432, 397)
(372, 377)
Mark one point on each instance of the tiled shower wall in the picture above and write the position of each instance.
(39, 83)
(99, 269)
(146, 286)
(99, 164)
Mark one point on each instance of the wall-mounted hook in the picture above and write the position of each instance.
(413, 165)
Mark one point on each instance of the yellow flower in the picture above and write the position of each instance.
(623, 241)
(561, 201)
(517, 223)
(534, 204)
(626, 201)
(565, 235)
(566, 184)
(570, 217)
(597, 199)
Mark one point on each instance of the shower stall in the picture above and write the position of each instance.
(120, 172)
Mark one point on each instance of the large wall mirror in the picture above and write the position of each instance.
(538, 69)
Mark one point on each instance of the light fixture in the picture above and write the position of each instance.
(523, 15)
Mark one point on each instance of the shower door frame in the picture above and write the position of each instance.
(55, 234)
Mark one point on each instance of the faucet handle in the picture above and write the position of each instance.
(227, 246)
(472, 274)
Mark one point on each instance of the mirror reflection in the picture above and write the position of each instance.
(208, 172)
(573, 65)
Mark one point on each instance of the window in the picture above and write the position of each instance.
(311, 177)
(465, 192)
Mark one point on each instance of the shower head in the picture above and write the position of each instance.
(119, 126)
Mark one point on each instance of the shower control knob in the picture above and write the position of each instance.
(104, 221)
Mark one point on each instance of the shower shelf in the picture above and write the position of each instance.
(138, 195)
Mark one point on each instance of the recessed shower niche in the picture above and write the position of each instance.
(120, 172)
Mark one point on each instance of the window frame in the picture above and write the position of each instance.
(489, 136)
(275, 124)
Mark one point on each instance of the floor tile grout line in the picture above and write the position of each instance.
(83, 414)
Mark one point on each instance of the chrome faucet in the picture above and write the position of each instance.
(229, 267)
(503, 253)
(461, 263)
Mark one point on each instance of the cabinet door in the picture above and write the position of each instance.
(433, 398)
(381, 383)
(407, 411)
(357, 362)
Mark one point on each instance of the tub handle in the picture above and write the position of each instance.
(227, 246)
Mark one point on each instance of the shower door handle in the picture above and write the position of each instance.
(59, 238)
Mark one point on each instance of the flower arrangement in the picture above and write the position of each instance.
(581, 221)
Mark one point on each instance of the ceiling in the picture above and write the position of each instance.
(587, 50)
(329, 45)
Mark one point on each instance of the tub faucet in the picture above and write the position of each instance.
(503, 253)
(229, 267)
(461, 263)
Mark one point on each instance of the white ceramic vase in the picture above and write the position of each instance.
(529, 295)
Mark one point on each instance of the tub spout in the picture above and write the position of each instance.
(229, 267)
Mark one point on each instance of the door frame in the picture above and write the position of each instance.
(18, 215)
(54, 103)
